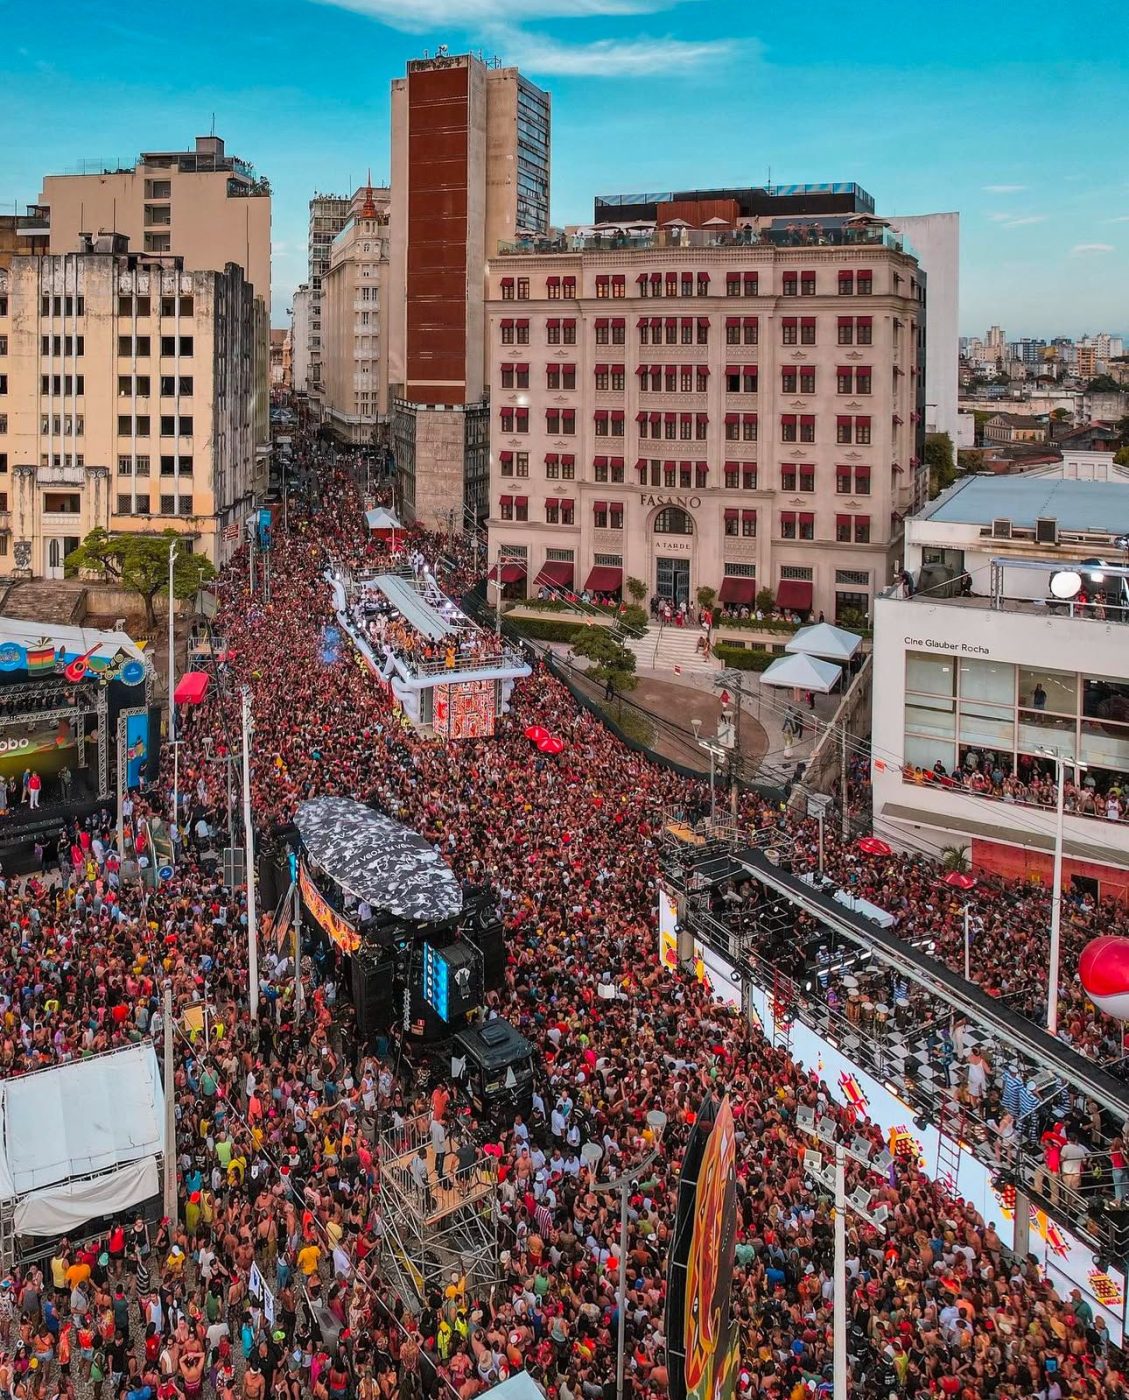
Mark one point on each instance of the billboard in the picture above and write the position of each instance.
(714, 972)
(340, 930)
(702, 1338)
(46, 748)
(136, 748)
(464, 709)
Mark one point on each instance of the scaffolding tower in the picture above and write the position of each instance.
(443, 1230)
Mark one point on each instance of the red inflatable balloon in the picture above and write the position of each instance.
(1103, 970)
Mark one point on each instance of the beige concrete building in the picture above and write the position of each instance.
(204, 206)
(354, 298)
(470, 169)
(126, 400)
(329, 214)
(735, 409)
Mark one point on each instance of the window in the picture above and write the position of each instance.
(787, 524)
(751, 327)
(788, 428)
(701, 427)
(844, 379)
(618, 378)
(789, 378)
(862, 432)
(863, 330)
(616, 515)
(843, 428)
(702, 379)
(521, 332)
(846, 284)
(568, 421)
(807, 330)
(508, 377)
(602, 337)
(3, 306)
(789, 331)
(552, 512)
(846, 327)
(670, 378)
(125, 504)
(128, 345)
(732, 284)
(552, 288)
(862, 379)
(703, 284)
(171, 465)
(523, 289)
(790, 284)
(807, 284)
(601, 422)
(843, 481)
(751, 283)
(687, 330)
(749, 524)
(862, 529)
(619, 286)
(568, 287)
(507, 329)
(807, 476)
(552, 466)
(615, 465)
(807, 379)
(507, 289)
(733, 330)
(806, 525)
(732, 476)
(864, 283)
(686, 427)
(521, 508)
(703, 330)
(807, 428)
(787, 477)
(851, 607)
(600, 515)
(568, 332)
(506, 463)
(673, 521)
(507, 420)
(619, 331)
(128, 426)
(603, 287)
(505, 507)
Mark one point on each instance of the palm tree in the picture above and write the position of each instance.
(955, 858)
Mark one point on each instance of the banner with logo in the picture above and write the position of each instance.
(136, 747)
(339, 929)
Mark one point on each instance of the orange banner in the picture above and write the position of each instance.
(343, 934)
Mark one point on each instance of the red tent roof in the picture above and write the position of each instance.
(192, 688)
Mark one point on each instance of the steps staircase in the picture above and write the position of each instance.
(664, 648)
(58, 601)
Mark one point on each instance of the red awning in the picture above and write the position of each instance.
(513, 573)
(601, 369)
(738, 590)
(731, 513)
(555, 573)
(604, 580)
(191, 688)
(794, 593)
(599, 505)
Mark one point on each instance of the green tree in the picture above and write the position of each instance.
(1121, 456)
(637, 588)
(633, 620)
(1103, 384)
(707, 597)
(612, 664)
(1059, 415)
(766, 600)
(939, 460)
(140, 563)
(955, 858)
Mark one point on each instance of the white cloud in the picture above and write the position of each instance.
(1004, 189)
(610, 58)
(420, 16)
(1120, 219)
(1083, 250)
(999, 218)
(1025, 220)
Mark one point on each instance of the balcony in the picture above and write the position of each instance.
(865, 233)
(60, 476)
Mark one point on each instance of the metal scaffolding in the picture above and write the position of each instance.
(442, 1230)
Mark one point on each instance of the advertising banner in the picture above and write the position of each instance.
(136, 747)
(710, 968)
(339, 929)
(45, 748)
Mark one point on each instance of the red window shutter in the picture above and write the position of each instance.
(807, 517)
(601, 323)
(732, 513)
(506, 456)
(732, 322)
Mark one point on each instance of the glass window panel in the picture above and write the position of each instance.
(987, 724)
(1104, 698)
(1039, 731)
(1105, 745)
(988, 680)
(924, 753)
(1041, 689)
(933, 675)
(933, 716)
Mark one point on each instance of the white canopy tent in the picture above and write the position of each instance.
(79, 1141)
(799, 672)
(822, 639)
(381, 518)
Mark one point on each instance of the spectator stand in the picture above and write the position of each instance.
(886, 1010)
(438, 1191)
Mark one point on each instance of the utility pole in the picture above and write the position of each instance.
(172, 682)
(170, 1103)
(843, 805)
(249, 862)
(299, 995)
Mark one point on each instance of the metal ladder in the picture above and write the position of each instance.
(950, 1143)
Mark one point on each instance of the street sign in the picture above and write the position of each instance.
(165, 872)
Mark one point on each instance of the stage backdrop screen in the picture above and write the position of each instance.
(47, 748)
(136, 748)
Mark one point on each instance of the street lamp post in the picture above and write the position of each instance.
(249, 862)
(172, 677)
(591, 1153)
(834, 1181)
(1056, 888)
(717, 755)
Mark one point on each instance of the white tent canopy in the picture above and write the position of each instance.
(81, 1140)
(381, 518)
(822, 639)
(800, 672)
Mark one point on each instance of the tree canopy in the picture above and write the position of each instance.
(140, 563)
(612, 663)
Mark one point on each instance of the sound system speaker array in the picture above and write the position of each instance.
(373, 990)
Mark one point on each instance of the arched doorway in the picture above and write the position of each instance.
(673, 529)
(54, 567)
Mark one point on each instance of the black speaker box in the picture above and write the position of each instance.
(372, 990)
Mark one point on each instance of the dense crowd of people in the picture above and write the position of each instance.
(277, 1151)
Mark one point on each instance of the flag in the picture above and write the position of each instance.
(725, 697)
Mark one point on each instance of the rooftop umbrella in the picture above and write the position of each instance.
(874, 846)
(551, 744)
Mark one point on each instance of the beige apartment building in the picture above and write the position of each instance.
(354, 298)
(738, 409)
(204, 206)
(126, 400)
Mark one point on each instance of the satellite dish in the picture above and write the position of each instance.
(1066, 584)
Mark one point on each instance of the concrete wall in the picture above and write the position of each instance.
(936, 239)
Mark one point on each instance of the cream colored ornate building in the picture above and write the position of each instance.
(354, 298)
(739, 409)
(127, 400)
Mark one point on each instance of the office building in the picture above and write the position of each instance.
(204, 206)
(127, 400)
(470, 169)
(935, 239)
(300, 339)
(354, 298)
(976, 697)
(732, 407)
(329, 214)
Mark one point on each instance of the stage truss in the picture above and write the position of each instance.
(448, 1229)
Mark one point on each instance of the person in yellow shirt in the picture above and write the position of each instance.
(309, 1256)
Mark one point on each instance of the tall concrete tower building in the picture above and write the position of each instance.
(470, 175)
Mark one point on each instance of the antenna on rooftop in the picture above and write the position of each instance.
(213, 123)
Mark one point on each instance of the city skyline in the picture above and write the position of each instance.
(648, 94)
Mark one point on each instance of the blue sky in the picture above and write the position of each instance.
(1009, 116)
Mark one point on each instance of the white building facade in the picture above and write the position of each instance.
(936, 241)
